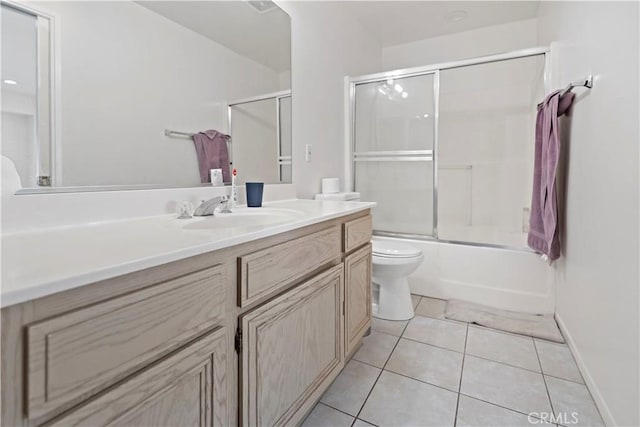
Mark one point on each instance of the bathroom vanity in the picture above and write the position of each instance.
(241, 325)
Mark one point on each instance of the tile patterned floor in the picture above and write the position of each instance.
(434, 372)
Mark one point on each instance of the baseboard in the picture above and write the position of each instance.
(586, 375)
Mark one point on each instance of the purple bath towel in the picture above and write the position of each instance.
(543, 222)
(211, 148)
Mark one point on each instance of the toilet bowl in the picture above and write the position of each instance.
(393, 262)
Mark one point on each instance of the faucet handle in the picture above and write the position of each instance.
(184, 210)
(224, 204)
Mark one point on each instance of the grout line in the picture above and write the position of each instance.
(367, 363)
(499, 406)
(588, 391)
(420, 381)
(564, 379)
(540, 372)
(387, 333)
(470, 325)
(329, 406)
(464, 355)
(432, 345)
(381, 371)
(506, 364)
(546, 387)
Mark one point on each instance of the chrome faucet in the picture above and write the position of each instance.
(207, 207)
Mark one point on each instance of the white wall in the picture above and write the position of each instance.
(127, 74)
(467, 44)
(326, 47)
(597, 277)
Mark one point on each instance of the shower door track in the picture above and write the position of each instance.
(434, 69)
(427, 238)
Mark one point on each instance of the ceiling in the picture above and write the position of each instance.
(263, 37)
(398, 22)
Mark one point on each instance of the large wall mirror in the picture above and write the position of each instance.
(109, 94)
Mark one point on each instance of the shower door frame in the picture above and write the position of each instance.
(350, 134)
(278, 96)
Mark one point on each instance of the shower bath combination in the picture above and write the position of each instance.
(467, 129)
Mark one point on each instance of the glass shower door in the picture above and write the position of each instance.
(393, 152)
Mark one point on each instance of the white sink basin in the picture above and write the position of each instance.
(241, 217)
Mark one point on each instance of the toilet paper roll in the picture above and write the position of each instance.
(330, 185)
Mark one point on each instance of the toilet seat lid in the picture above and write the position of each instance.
(391, 249)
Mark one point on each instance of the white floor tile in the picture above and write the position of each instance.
(391, 327)
(440, 333)
(556, 360)
(415, 299)
(515, 350)
(475, 413)
(360, 423)
(350, 389)
(507, 386)
(399, 401)
(324, 416)
(431, 307)
(569, 399)
(427, 363)
(376, 348)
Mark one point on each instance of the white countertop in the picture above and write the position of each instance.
(43, 262)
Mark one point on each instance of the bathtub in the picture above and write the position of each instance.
(502, 278)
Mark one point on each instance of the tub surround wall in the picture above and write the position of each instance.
(597, 275)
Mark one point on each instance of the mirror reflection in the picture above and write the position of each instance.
(145, 94)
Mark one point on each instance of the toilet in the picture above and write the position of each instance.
(393, 262)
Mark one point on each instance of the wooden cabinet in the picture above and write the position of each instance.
(357, 296)
(156, 347)
(357, 232)
(188, 388)
(292, 348)
(84, 351)
(269, 269)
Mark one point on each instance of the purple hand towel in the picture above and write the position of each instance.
(543, 222)
(212, 152)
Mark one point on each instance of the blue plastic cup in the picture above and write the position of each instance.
(254, 194)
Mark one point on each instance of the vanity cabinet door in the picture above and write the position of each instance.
(188, 388)
(291, 351)
(357, 296)
(78, 354)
